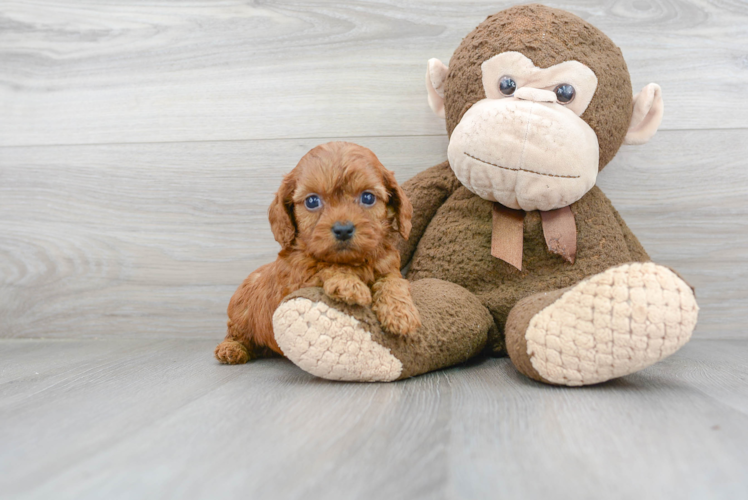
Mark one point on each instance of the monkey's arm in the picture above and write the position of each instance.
(427, 191)
(636, 249)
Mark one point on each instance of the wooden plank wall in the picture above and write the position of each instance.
(141, 142)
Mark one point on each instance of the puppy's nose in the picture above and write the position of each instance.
(343, 231)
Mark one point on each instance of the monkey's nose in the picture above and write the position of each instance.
(343, 231)
(535, 95)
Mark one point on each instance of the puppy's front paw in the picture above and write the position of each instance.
(396, 313)
(231, 352)
(350, 290)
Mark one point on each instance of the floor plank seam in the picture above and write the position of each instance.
(313, 138)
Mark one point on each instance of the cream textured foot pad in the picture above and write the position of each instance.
(612, 324)
(330, 344)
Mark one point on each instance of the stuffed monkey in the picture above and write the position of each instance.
(513, 249)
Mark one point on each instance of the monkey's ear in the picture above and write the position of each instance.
(399, 203)
(436, 74)
(280, 212)
(647, 115)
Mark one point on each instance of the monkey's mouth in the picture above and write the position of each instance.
(522, 155)
(520, 169)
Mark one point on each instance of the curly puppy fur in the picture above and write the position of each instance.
(363, 270)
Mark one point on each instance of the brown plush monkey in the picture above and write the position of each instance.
(513, 248)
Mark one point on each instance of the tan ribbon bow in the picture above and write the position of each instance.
(559, 229)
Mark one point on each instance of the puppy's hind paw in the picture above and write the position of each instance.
(349, 290)
(231, 352)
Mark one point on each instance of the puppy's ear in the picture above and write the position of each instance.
(399, 202)
(280, 212)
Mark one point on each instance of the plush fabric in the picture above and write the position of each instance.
(462, 226)
(611, 324)
(507, 235)
(516, 328)
(324, 349)
(345, 342)
(563, 319)
(541, 159)
(647, 115)
(529, 77)
(560, 231)
(547, 36)
(436, 74)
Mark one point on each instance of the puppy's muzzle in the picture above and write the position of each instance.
(343, 231)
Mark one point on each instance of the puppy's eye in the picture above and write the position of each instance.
(564, 93)
(507, 85)
(368, 199)
(312, 202)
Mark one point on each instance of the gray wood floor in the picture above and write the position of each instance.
(147, 418)
(140, 145)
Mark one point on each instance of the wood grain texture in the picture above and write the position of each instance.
(140, 145)
(145, 239)
(684, 196)
(159, 419)
(85, 72)
(152, 239)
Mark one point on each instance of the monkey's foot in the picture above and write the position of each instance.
(609, 325)
(338, 341)
(231, 352)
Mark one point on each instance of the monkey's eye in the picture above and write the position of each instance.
(312, 202)
(564, 93)
(507, 86)
(368, 199)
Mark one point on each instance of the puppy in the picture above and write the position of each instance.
(336, 217)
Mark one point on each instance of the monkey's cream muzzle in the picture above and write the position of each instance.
(523, 148)
(524, 154)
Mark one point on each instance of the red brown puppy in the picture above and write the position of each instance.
(336, 216)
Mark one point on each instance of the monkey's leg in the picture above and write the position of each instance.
(608, 325)
(337, 341)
